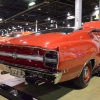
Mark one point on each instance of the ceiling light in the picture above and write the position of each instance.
(9, 29)
(96, 7)
(81, 23)
(31, 3)
(0, 19)
(39, 8)
(20, 26)
(63, 22)
(49, 18)
(26, 23)
(96, 18)
(70, 17)
(29, 27)
(68, 25)
(13, 27)
(68, 14)
(52, 21)
(46, 28)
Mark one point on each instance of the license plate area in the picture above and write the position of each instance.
(17, 72)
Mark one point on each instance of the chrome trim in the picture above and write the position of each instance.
(38, 59)
(28, 57)
(6, 54)
(57, 74)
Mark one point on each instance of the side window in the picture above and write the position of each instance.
(95, 32)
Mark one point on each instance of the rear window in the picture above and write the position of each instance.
(14, 35)
(61, 30)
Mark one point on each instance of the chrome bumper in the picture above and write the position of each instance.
(36, 74)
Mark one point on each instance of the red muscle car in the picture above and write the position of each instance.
(55, 55)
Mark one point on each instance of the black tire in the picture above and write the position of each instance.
(85, 76)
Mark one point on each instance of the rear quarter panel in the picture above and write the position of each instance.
(79, 49)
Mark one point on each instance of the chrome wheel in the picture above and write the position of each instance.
(86, 74)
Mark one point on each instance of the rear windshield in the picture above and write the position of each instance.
(13, 35)
(61, 30)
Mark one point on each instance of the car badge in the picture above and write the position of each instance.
(38, 52)
(14, 55)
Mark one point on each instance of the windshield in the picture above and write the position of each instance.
(61, 30)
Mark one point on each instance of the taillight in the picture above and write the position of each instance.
(51, 59)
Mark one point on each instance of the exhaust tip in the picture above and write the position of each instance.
(39, 82)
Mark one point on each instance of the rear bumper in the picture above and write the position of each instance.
(35, 73)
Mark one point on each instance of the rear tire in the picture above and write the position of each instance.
(83, 80)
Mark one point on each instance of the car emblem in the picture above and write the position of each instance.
(14, 55)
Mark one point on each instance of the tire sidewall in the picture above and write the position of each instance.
(84, 84)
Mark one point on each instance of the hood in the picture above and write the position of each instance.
(42, 40)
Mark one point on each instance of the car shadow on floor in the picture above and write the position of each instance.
(48, 91)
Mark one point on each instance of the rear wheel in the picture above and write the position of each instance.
(84, 78)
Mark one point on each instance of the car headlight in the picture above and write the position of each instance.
(51, 59)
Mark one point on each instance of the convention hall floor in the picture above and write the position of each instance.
(62, 91)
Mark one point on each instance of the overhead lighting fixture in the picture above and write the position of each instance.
(68, 14)
(31, 3)
(70, 17)
(68, 25)
(81, 23)
(20, 26)
(46, 28)
(49, 18)
(26, 23)
(29, 27)
(39, 8)
(63, 22)
(96, 18)
(0, 19)
(13, 27)
(52, 21)
(96, 7)
(9, 29)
